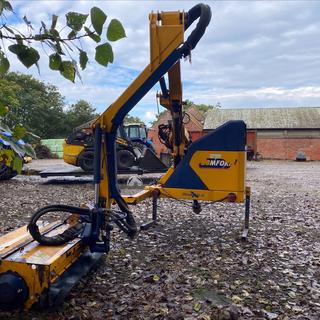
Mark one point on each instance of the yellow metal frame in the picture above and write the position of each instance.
(166, 34)
(39, 266)
(220, 182)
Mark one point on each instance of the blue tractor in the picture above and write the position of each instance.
(137, 134)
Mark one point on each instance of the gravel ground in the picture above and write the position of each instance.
(195, 266)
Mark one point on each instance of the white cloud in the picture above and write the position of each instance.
(262, 97)
(254, 53)
(150, 115)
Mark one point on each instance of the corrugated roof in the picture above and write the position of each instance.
(266, 118)
(196, 113)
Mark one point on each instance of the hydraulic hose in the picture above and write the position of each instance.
(203, 12)
(123, 219)
(62, 238)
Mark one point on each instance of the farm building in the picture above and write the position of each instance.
(276, 133)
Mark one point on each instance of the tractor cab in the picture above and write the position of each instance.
(138, 135)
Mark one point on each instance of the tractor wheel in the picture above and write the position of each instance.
(258, 156)
(125, 159)
(85, 161)
(6, 173)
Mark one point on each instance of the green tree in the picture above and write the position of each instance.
(9, 100)
(66, 55)
(36, 106)
(63, 47)
(79, 113)
(203, 108)
(132, 119)
(39, 107)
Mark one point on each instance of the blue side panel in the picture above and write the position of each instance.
(184, 177)
(231, 136)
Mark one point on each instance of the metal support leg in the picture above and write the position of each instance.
(196, 207)
(155, 196)
(247, 214)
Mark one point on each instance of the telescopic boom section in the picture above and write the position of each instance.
(167, 47)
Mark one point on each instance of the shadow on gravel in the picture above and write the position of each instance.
(68, 181)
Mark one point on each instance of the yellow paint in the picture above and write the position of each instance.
(38, 265)
(104, 189)
(18, 237)
(230, 178)
(122, 141)
(201, 195)
(71, 153)
(138, 197)
(219, 181)
(35, 281)
(166, 34)
(166, 176)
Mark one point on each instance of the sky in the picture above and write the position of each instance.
(254, 54)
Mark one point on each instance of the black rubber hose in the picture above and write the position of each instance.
(63, 237)
(164, 89)
(203, 12)
(97, 154)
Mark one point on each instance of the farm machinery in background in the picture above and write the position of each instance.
(41, 262)
(137, 133)
(134, 151)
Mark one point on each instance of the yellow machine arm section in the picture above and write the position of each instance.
(166, 35)
(167, 47)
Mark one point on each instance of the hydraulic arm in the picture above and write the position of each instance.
(36, 268)
(167, 47)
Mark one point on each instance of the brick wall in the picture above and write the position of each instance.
(270, 148)
(287, 148)
(283, 145)
(196, 135)
(252, 140)
(158, 146)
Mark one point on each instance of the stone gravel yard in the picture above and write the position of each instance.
(195, 266)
